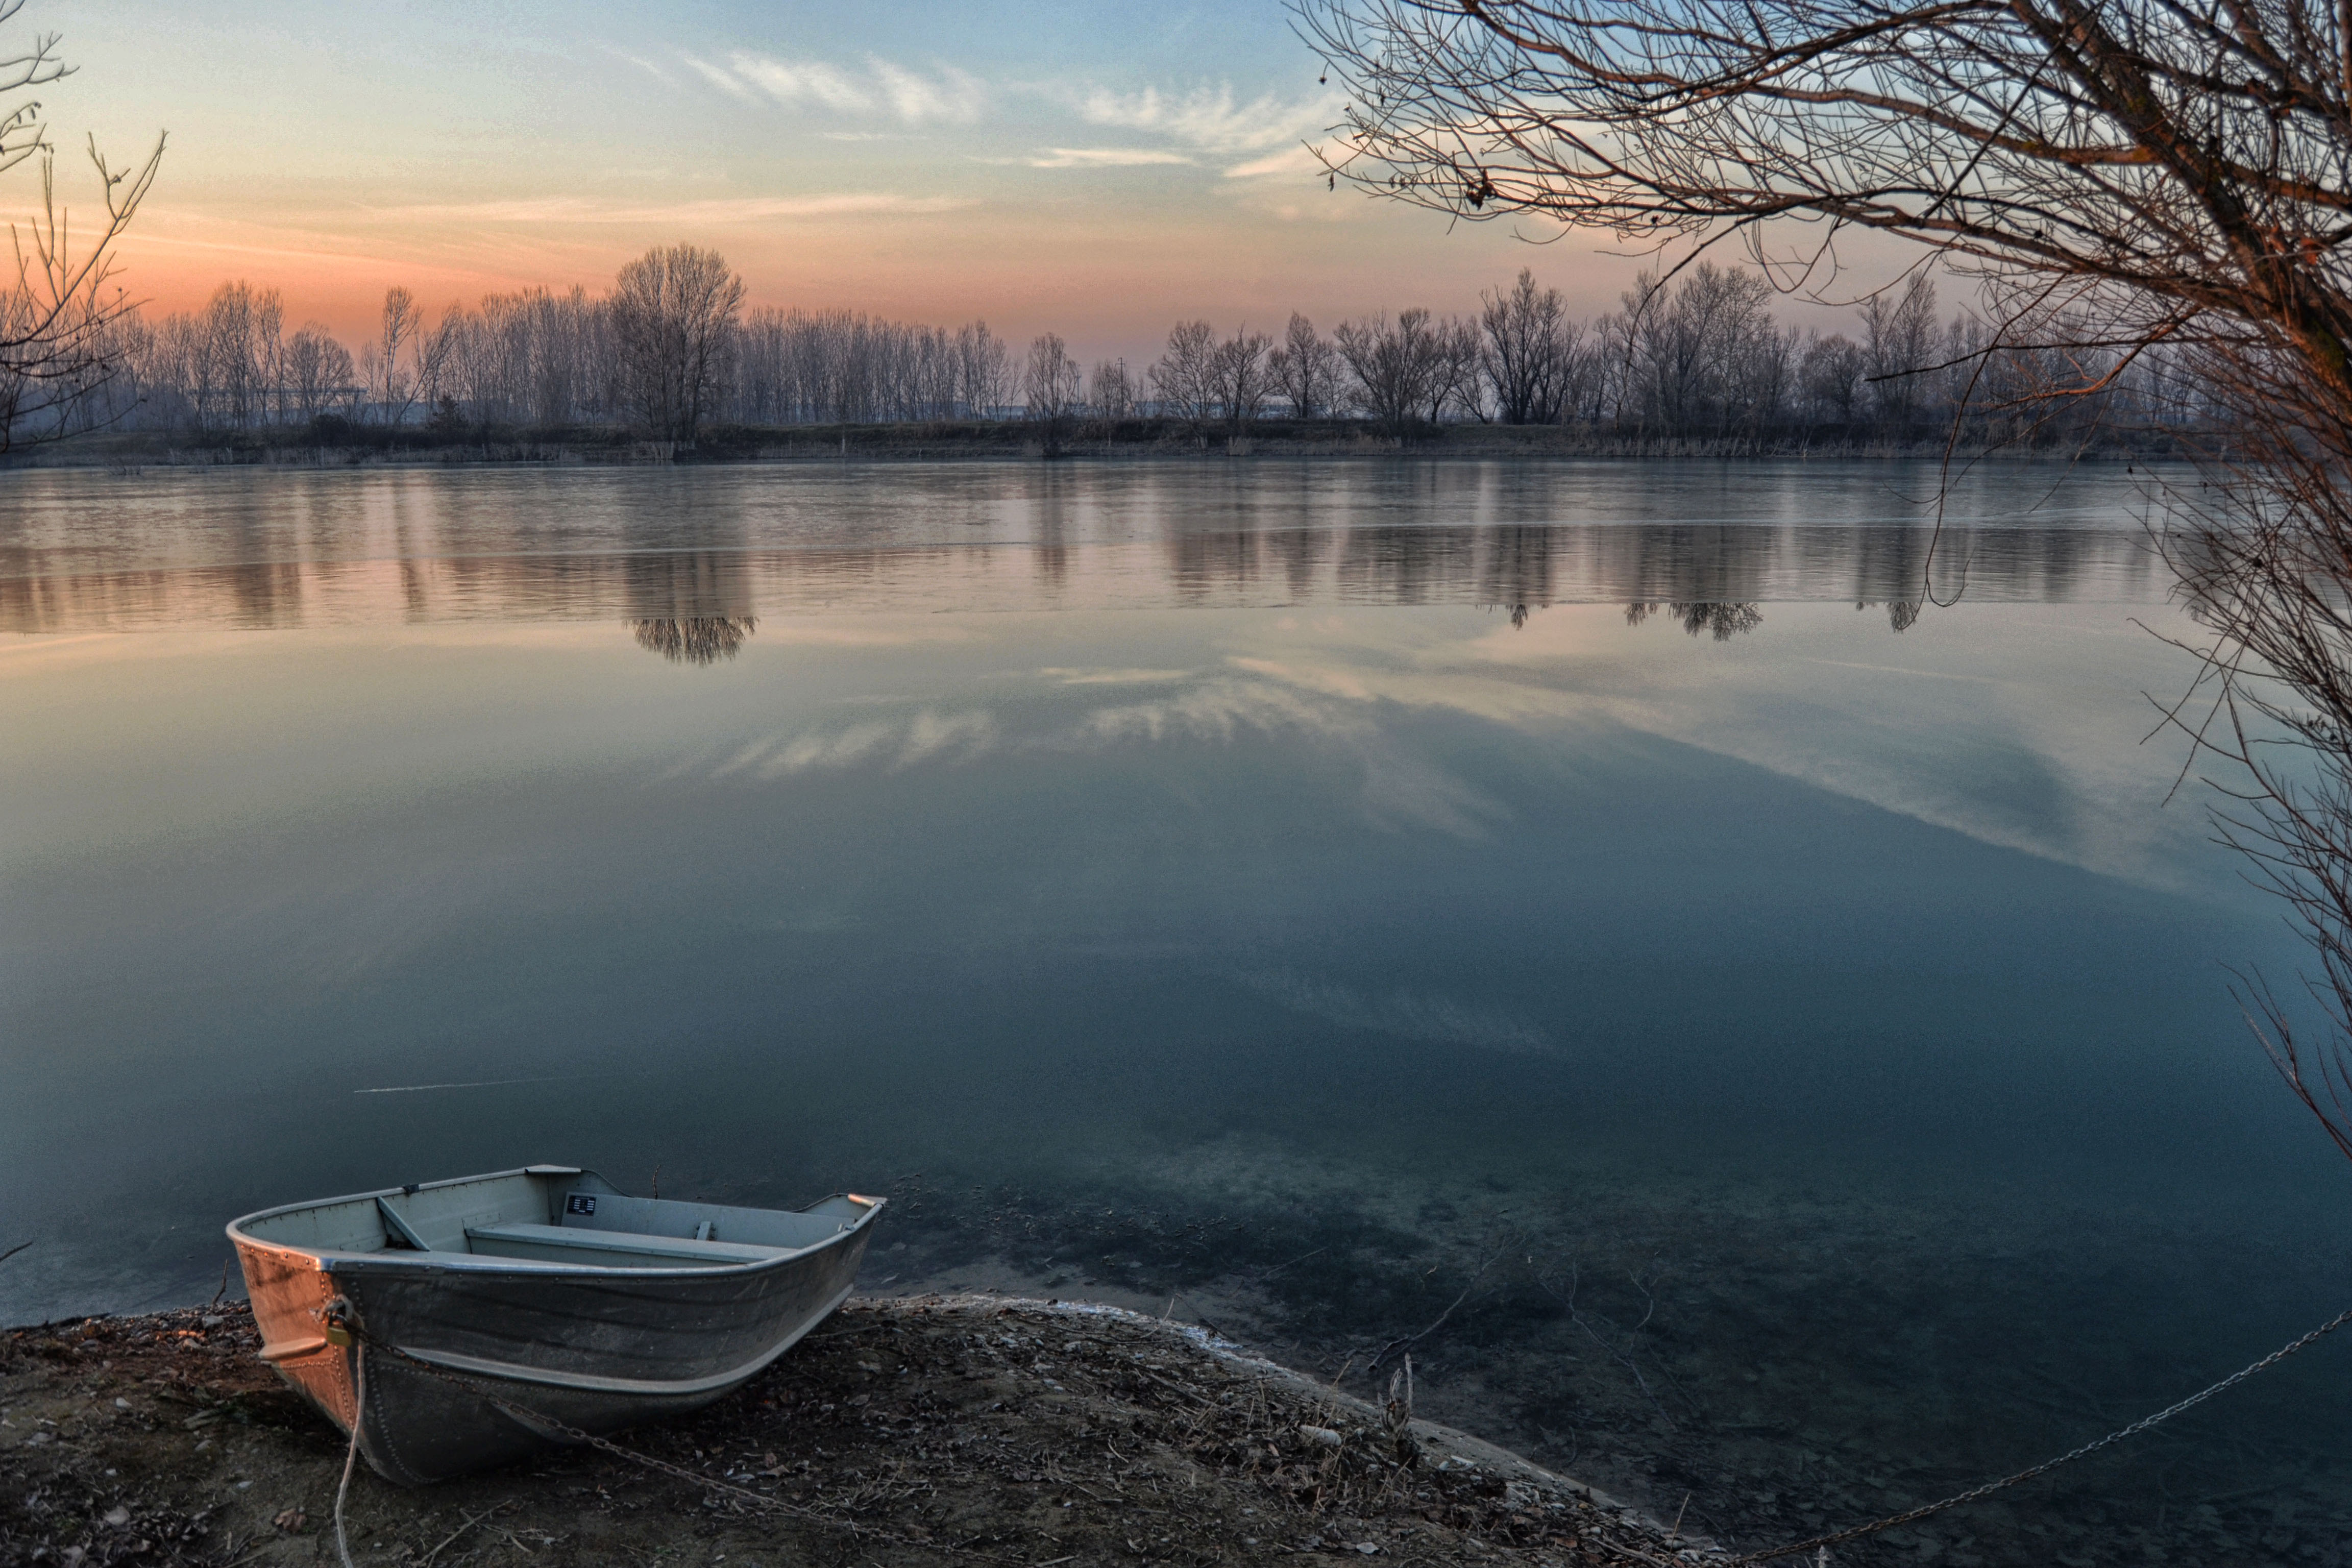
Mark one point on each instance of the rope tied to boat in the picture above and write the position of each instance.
(339, 1322)
(1912, 1516)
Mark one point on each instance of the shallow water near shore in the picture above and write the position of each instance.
(1793, 1055)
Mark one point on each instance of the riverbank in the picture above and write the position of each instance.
(335, 443)
(955, 1429)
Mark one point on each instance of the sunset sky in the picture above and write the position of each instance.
(1091, 168)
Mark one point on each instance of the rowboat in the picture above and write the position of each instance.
(488, 1317)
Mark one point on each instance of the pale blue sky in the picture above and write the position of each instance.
(1094, 169)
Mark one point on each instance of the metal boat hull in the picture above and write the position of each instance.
(514, 1351)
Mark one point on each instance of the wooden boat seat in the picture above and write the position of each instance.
(613, 1248)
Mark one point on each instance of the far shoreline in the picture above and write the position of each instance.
(330, 444)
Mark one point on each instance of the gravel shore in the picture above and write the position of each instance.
(968, 1429)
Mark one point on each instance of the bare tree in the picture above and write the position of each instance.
(568, 358)
(1688, 345)
(399, 323)
(981, 362)
(2125, 179)
(1050, 381)
(318, 370)
(437, 353)
(1113, 391)
(1454, 373)
(830, 367)
(1830, 381)
(1306, 369)
(1529, 340)
(1900, 347)
(674, 312)
(1050, 386)
(1184, 377)
(62, 321)
(1393, 367)
(1238, 378)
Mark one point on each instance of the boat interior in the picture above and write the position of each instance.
(557, 1215)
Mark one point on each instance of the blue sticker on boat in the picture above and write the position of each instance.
(579, 1202)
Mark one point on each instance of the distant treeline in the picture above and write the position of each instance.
(669, 354)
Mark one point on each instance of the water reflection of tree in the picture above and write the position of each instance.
(458, 558)
(694, 639)
(1723, 621)
(1411, 565)
(1519, 565)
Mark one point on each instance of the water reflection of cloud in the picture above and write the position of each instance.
(1998, 749)
(958, 734)
(1964, 751)
(1216, 710)
(895, 742)
(1438, 1020)
(838, 749)
(1404, 789)
(1502, 699)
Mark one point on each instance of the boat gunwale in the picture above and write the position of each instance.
(403, 1260)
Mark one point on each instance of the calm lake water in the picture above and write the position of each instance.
(1785, 1021)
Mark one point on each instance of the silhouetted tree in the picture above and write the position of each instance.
(1050, 386)
(1529, 344)
(1306, 369)
(674, 310)
(1112, 391)
(64, 335)
(1395, 368)
(1238, 376)
(1184, 377)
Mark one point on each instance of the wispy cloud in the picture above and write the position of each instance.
(651, 68)
(802, 82)
(1257, 137)
(949, 95)
(944, 94)
(1210, 118)
(1288, 161)
(1105, 157)
(717, 76)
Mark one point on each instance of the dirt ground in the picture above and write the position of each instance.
(914, 1431)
